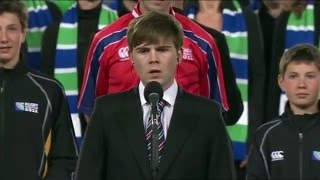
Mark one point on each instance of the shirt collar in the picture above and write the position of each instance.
(169, 95)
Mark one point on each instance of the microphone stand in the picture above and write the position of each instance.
(154, 142)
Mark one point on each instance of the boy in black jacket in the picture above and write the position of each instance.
(288, 148)
(36, 135)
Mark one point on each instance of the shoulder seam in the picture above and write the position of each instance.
(277, 123)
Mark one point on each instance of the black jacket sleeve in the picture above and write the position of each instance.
(56, 16)
(48, 49)
(54, 10)
(62, 157)
(93, 154)
(273, 90)
(221, 165)
(256, 168)
(256, 73)
(232, 116)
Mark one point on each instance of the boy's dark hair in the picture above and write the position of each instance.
(305, 53)
(152, 27)
(18, 8)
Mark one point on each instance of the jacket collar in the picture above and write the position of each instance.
(288, 112)
(20, 69)
(310, 120)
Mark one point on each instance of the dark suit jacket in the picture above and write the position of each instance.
(197, 145)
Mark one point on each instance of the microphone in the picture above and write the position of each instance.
(153, 92)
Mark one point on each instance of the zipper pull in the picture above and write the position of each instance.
(2, 86)
(300, 136)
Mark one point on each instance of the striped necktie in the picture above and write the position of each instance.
(161, 138)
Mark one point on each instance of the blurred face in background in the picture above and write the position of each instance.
(272, 4)
(12, 35)
(154, 5)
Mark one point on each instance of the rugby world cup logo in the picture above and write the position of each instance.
(316, 155)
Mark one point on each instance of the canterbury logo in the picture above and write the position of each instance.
(187, 54)
(124, 52)
(277, 155)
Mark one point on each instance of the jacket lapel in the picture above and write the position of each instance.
(131, 120)
(181, 126)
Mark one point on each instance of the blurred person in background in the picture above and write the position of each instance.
(36, 135)
(244, 38)
(42, 14)
(64, 49)
(298, 23)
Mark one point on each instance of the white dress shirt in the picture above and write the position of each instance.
(170, 96)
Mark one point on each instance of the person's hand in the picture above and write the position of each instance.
(244, 162)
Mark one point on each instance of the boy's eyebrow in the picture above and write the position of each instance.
(309, 72)
(292, 72)
(156, 46)
(141, 47)
(12, 25)
(164, 46)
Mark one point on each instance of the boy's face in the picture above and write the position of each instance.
(301, 83)
(156, 62)
(11, 37)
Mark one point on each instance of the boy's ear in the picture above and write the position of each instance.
(180, 53)
(281, 83)
(24, 35)
(131, 57)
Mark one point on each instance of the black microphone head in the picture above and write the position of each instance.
(153, 87)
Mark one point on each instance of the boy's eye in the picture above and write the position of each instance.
(292, 76)
(12, 28)
(142, 50)
(311, 76)
(162, 49)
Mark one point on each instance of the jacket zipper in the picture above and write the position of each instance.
(300, 156)
(2, 108)
(2, 116)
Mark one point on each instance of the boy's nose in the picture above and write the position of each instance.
(153, 57)
(302, 83)
(3, 37)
